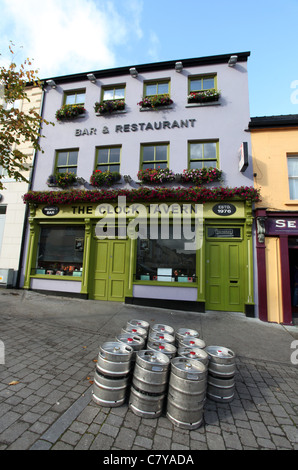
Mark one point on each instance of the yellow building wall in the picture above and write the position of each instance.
(270, 148)
(273, 273)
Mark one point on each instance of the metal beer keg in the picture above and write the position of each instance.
(187, 392)
(135, 330)
(192, 342)
(166, 348)
(136, 342)
(221, 374)
(155, 336)
(162, 328)
(184, 333)
(111, 374)
(149, 383)
(194, 353)
(138, 323)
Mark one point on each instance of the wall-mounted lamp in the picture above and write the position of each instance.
(91, 77)
(178, 67)
(51, 83)
(233, 60)
(133, 72)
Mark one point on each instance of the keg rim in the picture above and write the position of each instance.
(220, 352)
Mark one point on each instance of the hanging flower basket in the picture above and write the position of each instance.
(62, 180)
(201, 176)
(69, 111)
(104, 178)
(156, 176)
(109, 106)
(156, 101)
(203, 96)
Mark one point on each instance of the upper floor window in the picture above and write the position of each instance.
(154, 156)
(67, 161)
(201, 83)
(161, 87)
(75, 97)
(202, 154)
(293, 176)
(108, 159)
(116, 92)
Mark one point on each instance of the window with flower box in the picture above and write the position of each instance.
(116, 92)
(203, 89)
(154, 156)
(67, 161)
(157, 88)
(108, 158)
(74, 97)
(203, 154)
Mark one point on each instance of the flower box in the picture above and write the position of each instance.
(155, 101)
(201, 176)
(109, 106)
(203, 96)
(156, 176)
(69, 111)
(62, 180)
(104, 178)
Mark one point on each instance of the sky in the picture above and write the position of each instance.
(74, 36)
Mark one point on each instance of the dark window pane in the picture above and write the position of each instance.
(161, 152)
(148, 153)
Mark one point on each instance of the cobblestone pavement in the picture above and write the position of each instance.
(46, 382)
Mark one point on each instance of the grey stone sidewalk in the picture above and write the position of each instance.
(51, 345)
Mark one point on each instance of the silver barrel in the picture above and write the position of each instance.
(139, 323)
(112, 374)
(187, 392)
(114, 359)
(184, 333)
(192, 342)
(156, 336)
(163, 328)
(136, 342)
(135, 330)
(166, 348)
(146, 405)
(221, 361)
(151, 372)
(149, 383)
(107, 391)
(221, 374)
(194, 353)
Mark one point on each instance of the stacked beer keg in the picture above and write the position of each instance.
(157, 370)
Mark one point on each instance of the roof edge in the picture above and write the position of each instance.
(154, 66)
(285, 120)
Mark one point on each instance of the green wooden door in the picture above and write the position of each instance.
(224, 276)
(109, 270)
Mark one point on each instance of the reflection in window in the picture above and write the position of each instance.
(67, 161)
(293, 176)
(60, 251)
(165, 260)
(203, 155)
(108, 159)
(155, 156)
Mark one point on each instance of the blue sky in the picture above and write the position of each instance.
(72, 36)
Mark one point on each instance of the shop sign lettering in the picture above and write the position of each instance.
(50, 211)
(141, 126)
(281, 226)
(224, 209)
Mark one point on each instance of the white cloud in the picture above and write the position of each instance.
(70, 36)
(153, 45)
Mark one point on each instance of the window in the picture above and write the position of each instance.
(113, 93)
(3, 172)
(202, 154)
(108, 159)
(200, 83)
(157, 88)
(154, 156)
(165, 259)
(293, 176)
(60, 250)
(66, 161)
(75, 97)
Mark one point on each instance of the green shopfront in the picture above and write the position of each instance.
(181, 255)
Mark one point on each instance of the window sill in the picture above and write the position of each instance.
(158, 108)
(196, 105)
(165, 283)
(120, 111)
(55, 276)
(292, 203)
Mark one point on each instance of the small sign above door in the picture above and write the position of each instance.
(224, 209)
(50, 210)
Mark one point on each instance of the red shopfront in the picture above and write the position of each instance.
(279, 230)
